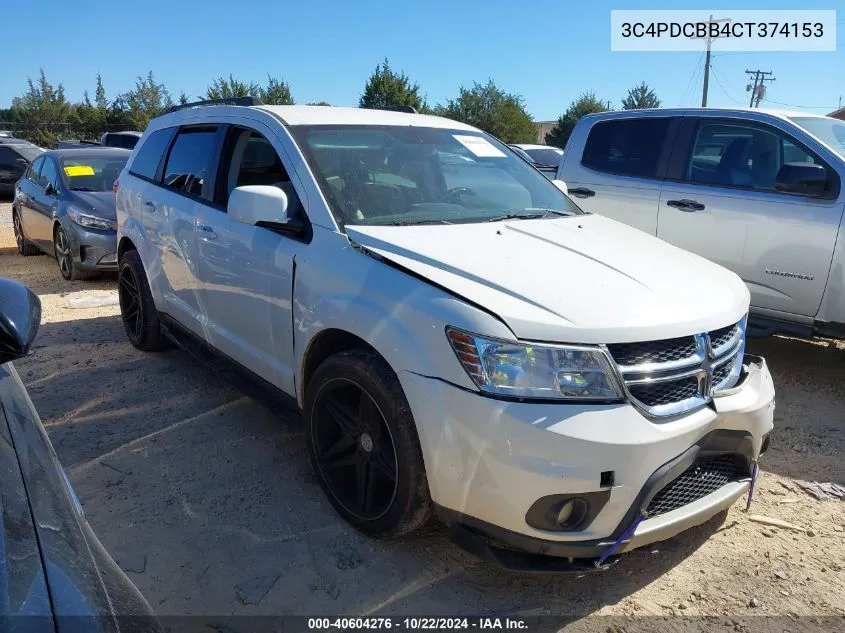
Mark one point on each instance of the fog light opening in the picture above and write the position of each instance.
(571, 513)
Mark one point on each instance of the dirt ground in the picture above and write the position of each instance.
(206, 498)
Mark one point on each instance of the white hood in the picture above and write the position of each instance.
(580, 279)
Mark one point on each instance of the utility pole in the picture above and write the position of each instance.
(758, 88)
(708, 40)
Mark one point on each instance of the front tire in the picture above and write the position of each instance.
(363, 444)
(25, 248)
(64, 257)
(137, 308)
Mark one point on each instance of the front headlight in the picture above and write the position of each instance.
(565, 372)
(91, 221)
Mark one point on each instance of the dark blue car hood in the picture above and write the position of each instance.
(99, 203)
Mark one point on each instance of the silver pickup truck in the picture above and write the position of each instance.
(759, 192)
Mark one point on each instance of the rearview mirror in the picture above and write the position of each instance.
(804, 178)
(263, 205)
(561, 185)
(20, 316)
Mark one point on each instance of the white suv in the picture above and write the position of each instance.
(458, 334)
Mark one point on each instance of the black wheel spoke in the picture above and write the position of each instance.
(340, 449)
(364, 485)
(344, 417)
(370, 416)
(384, 464)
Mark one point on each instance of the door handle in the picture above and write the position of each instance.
(582, 192)
(150, 206)
(206, 232)
(685, 205)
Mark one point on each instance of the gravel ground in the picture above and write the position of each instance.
(202, 494)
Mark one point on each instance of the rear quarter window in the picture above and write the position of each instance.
(629, 147)
(150, 154)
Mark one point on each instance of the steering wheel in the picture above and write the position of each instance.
(453, 196)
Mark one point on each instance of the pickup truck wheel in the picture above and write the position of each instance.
(25, 248)
(363, 444)
(137, 309)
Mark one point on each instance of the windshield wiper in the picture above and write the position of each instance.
(83, 189)
(417, 222)
(529, 214)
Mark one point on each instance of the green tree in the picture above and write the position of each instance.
(43, 114)
(222, 88)
(387, 88)
(490, 108)
(146, 101)
(276, 92)
(100, 95)
(587, 103)
(319, 103)
(639, 97)
(90, 121)
(183, 98)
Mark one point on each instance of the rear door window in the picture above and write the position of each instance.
(629, 147)
(35, 169)
(149, 156)
(189, 162)
(49, 174)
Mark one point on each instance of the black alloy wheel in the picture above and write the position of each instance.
(129, 297)
(354, 449)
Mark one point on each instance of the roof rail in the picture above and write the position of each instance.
(398, 108)
(238, 101)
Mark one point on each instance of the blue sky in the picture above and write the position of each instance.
(548, 52)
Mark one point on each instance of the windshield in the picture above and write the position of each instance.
(381, 175)
(545, 156)
(29, 152)
(831, 131)
(92, 173)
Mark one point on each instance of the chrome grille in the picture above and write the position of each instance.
(659, 393)
(723, 336)
(699, 480)
(653, 351)
(673, 376)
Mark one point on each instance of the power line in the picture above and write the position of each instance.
(716, 77)
(792, 105)
(691, 79)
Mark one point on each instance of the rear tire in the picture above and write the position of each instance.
(25, 248)
(363, 444)
(137, 309)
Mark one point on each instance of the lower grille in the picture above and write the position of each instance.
(698, 481)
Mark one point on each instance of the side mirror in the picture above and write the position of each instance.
(20, 316)
(804, 178)
(263, 205)
(50, 189)
(562, 186)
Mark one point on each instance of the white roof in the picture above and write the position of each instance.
(332, 115)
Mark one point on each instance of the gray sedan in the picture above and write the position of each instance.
(65, 206)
